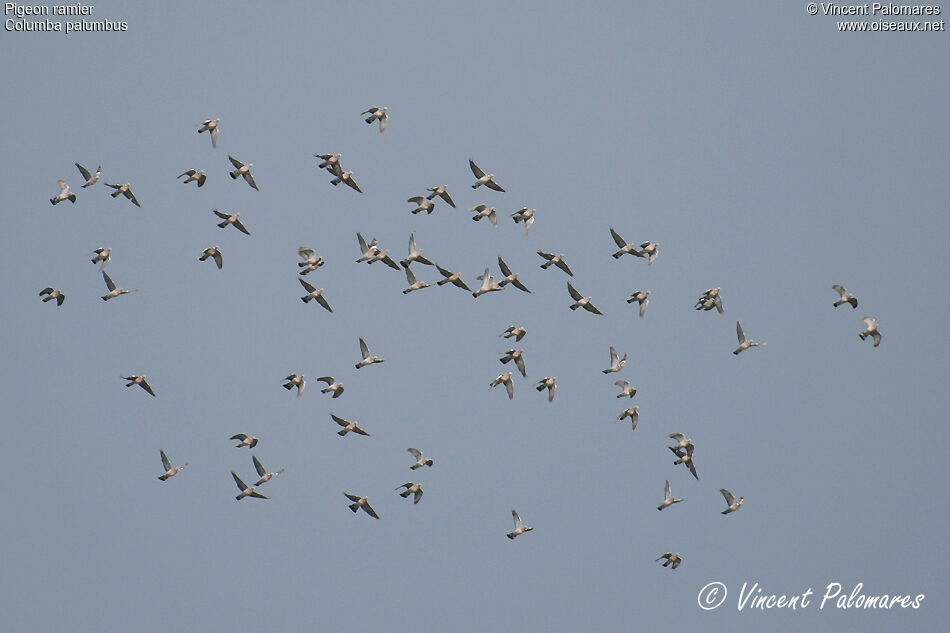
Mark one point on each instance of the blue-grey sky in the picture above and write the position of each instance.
(766, 152)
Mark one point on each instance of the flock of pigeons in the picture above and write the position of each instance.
(371, 252)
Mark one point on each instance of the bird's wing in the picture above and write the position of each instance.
(614, 359)
(740, 333)
(85, 172)
(443, 271)
(563, 266)
(412, 236)
(360, 431)
(109, 283)
(475, 170)
(351, 497)
(382, 128)
(510, 388)
(327, 379)
(239, 436)
(165, 463)
(619, 240)
(519, 362)
(214, 136)
(363, 246)
(147, 387)
(692, 468)
(643, 306)
(504, 268)
(547, 256)
(367, 506)
(223, 216)
(258, 466)
(875, 335)
(238, 164)
(240, 484)
(218, 259)
(352, 183)
(410, 277)
(573, 292)
(517, 519)
(339, 420)
(250, 180)
(728, 496)
(323, 302)
(869, 321)
(667, 492)
(839, 289)
(364, 348)
(307, 286)
(63, 187)
(240, 227)
(445, 196)
(491, 184)
(415, 453)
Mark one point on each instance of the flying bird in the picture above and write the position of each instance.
(488, 284)
(348, 426)
(140, 381)
(414, 284)
(616, 363)
(103, 256)
(626, 391)
(194, 175)
(710, 299)
(346, 177)
(262, 472)
(451, 278)
(64, 194)
(233, 219)
(520, 527)
(377, 113)
(331, 162)
(368, 251)
(516, 332)
(314, 293)
(580, 301)
(633, 413)
(510, 277)
(650, 250)
(555, 260)
(124, 190)
(844, 296)
(744, 343)
(246, 491)
(295, 380)
(53, 294)
(170, 471)
(420, 459)
(411, 489)
(211, 126)
(311, 261)
(422, 204)
(481, 211)
(368, 359)
(333, 386)
(91, 179)
(504, 379)
(685, 456)
(361, 502)
(672, 560)
(441, 192)
(240, 169)
(516, 355)
(213, 252)
(483, 178)
(681, 440)
(668, 498)
(625, 248)
(114, 291)
(526, 215)
(871, 330)
(640, 296)
(415, 253)
(245, 440)
(731, 501)
(548, 383)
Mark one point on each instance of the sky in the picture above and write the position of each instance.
(767, 153)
